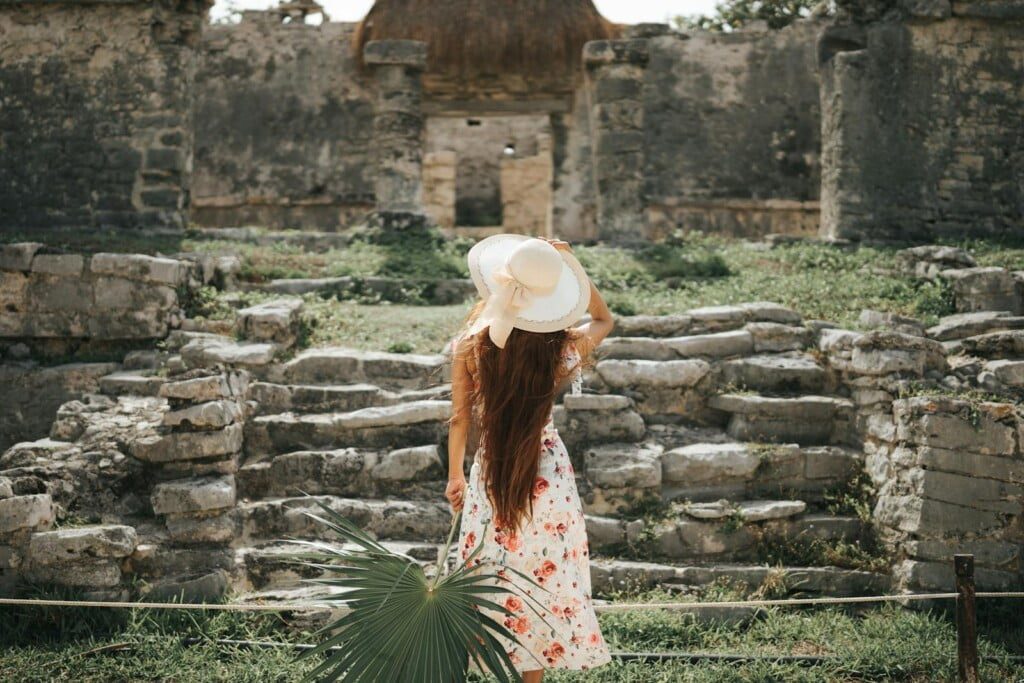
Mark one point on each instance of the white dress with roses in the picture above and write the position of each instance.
(551, 547)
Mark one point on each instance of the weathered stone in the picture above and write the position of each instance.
(68, 265)
(605, 531)
(210, 388)
(345, 366)
(74, 545)
(873, 320)
(916, 515)
(963, 325)
(189, 445)
(987, 552)
(210, 587)
(211, 415)
(940, 576)
(996, 345)
(162, 271)
(830, 462)
(96, 574)
(708, 462)
(984, 289)
(771, 312)
(18, 256)
(631, 373)
(1008, 372)
(775, 374)
(774, 337)
(956, 425)
(636, 348)
(272, 321)
(6, 491)
(885, 352)
(833, 341)
(193, 495)
(762, 510)
(618, 575)
(597, 402)
(720, 345)
(624, 466)
(972, 492)
(718, 317)
(34, 512)
(409, 464)
(222, 528)
(719, 509)
(652, 325)
(201, 353)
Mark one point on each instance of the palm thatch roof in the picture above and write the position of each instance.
(468, 38)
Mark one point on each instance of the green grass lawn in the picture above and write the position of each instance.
(884, 643)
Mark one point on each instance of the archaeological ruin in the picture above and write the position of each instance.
(148, 452)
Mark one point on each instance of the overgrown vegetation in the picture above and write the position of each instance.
(885, 643)
(731, 15)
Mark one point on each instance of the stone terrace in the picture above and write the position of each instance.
(709, 446)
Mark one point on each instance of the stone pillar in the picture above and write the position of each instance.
(397, 66)
(615, 72)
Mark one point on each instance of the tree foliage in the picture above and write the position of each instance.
(731, 15)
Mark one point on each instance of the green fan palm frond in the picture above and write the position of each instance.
(403, 625)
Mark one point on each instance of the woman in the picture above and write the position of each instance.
(521, 501)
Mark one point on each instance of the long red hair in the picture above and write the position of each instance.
(514, 391)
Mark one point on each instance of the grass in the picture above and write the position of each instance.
(885, 643)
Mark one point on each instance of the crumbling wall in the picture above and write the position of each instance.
(284, 126)
(732, 126)
(922, 130)
(95, 127)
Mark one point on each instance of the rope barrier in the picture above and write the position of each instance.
(307, 606)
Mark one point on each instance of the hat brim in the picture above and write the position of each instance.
(559, 310)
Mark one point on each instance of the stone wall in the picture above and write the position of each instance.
(284, 126)
(732, 131)
(921, 123)
(96, 126)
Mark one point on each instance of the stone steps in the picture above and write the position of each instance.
(776, 374)
(393, 520)
(609, 575)
(415, 472)
(132, 383)
(415, 422)
(335, 366)
(721, 531)
(332, 398)
(807, 420)
(274, 566)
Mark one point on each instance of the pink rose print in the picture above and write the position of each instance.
(553, 652)
(513, 604)
(540, 485)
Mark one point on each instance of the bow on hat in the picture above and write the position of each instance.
(504, 304)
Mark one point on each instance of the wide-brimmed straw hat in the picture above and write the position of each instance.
(527, 284)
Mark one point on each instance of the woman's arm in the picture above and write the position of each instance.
(458, 426)
(601, 321)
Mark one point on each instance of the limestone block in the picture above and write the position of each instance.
(652, 325)
(67, 265)
(763, 510)
(987, 552)
(939, 576)
(163, 271)
(409, 464)
(995, 345)
(837, 341)
(984, 289)
(774, 337)
(597, 402)
(963, 325)
(634, 373)
(775, 374)
(624, 466)
(6, 491)
(93, 574)
(960, 462)
(210, 388)
(189, 445)
(13, 291)
(209, 587)
(114, 293)
(605, 531)
(210, 415)
(36, 512)
(718, 317)
(925, 517)
(617, 575)
(1008, 372)
(972, 492)
(718, 345)
(193, 495)
(708, 462)
(719, 509)
(771, 312)
(61, 295)
(986, 428)
(221, 528)
(77, 544)
(873, 320)
(201, 353)
(272, 321)
(19, 255)
(830, 462)
(635, 348)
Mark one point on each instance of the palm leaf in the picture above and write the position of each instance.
(401, 624)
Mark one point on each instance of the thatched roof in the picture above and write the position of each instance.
(468, 38)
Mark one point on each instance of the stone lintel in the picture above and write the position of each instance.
(599, 53)
(408, 53)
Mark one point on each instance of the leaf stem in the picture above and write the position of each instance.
(444, 554)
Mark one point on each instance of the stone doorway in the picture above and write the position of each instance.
(489, 174)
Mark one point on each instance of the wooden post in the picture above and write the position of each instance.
(966, 620)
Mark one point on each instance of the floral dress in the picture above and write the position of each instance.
(551, 548)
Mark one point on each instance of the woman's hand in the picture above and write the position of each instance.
(456, 493)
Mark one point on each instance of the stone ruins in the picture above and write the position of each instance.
(739, 443)
(896, 119)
